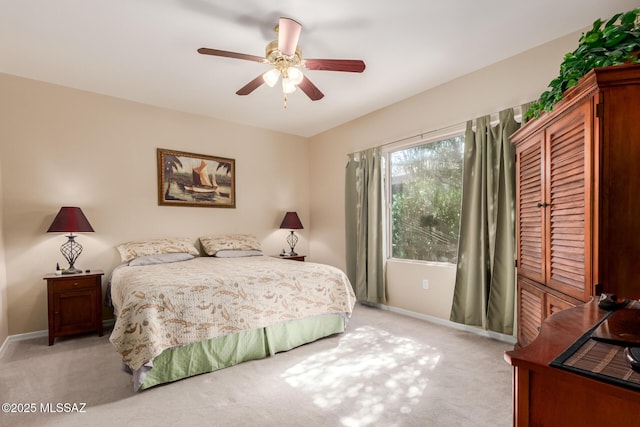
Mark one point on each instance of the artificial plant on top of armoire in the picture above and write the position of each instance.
(615, 42)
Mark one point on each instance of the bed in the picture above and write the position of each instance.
(179, 314)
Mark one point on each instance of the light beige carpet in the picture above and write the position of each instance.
(386, 370)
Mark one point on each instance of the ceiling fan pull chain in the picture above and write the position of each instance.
(285, 101)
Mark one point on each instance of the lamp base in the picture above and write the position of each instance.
(292, 239)
(71, 251)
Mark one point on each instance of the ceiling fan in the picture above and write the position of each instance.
(285, 57)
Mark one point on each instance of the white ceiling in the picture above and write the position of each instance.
(145, 50)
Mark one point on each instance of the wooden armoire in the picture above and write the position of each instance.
(578, 198)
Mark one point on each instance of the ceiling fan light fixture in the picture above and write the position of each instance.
(287, 85)
(271, 77)
(295, 75)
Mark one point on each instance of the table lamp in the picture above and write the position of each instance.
(291, 222)
(70, 219)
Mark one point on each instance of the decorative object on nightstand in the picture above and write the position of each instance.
(70, 219)
(291, 222)
(74, 304)
(294, 257)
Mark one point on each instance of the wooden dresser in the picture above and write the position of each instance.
(549, 396)
(578, 209)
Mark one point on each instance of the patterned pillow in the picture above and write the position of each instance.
(131, 250)
(229, 242)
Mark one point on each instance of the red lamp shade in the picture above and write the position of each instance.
(70, 219)
(291, 221)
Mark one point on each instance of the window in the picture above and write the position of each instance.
(424, 193)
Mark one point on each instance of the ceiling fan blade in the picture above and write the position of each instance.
(251, 86)
(288, 35)
(348, 65)
(310, 89)
(227, 54)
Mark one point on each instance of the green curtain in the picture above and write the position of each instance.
(485, 278)
(363, 221)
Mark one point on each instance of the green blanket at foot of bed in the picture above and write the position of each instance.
(207, 356)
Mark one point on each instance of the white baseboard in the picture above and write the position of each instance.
(510, 339)
(39, 334)
(6, 341)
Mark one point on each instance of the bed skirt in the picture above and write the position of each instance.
(208, 356)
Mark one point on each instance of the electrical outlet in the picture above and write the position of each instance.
(425, 284)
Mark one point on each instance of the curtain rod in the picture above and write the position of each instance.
(517, 111)
(421, 136)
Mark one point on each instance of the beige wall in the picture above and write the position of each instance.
(509, 83)
(61, 146)
(4, 315)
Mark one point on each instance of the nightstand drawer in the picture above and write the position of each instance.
(71, 284)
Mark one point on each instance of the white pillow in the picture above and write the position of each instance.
(237, 254)
(160, 259)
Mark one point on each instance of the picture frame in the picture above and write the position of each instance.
(189, 179)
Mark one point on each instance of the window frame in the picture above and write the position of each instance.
(418, 140)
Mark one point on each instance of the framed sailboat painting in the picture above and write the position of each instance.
(188, 179)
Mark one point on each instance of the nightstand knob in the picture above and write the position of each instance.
(75, 284)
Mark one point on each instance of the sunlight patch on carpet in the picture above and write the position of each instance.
(371, 371)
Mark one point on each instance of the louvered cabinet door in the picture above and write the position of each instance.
(554, 304)
(531, 311)
(530, 233)
(568, 213)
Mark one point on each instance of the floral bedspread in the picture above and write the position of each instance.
(166, 305)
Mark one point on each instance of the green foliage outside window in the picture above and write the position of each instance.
(426, 195)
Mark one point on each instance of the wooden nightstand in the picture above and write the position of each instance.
(293, 257)
(75, 303)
